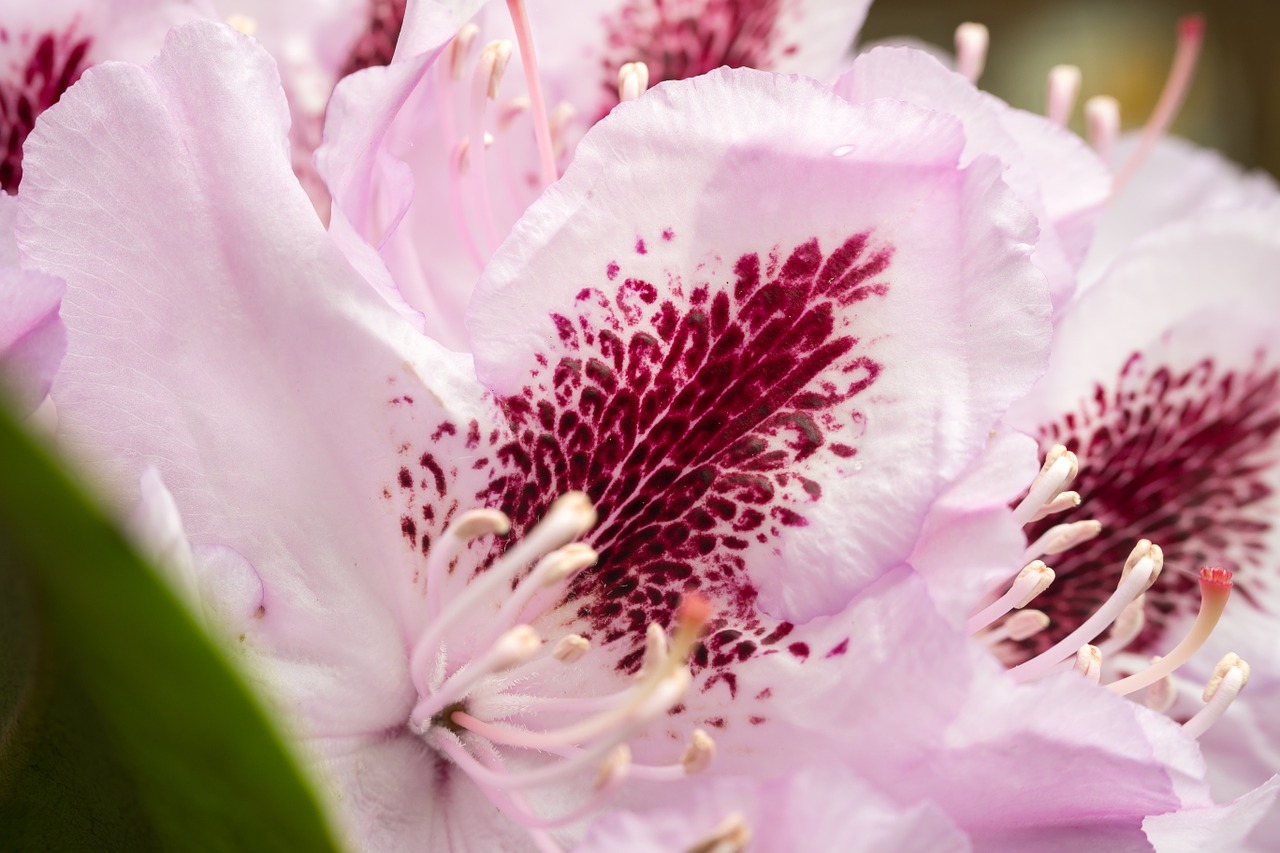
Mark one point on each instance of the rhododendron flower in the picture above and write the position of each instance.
(732, 396)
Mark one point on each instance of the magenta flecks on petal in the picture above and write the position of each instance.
(44, 66)
(694, 418)
(1178, 457)
(685, 38)
(377, 44)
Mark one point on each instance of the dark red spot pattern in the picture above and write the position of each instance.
(377, 44)
(1179, 457)
(45, 66)
(679, 39)
(699, 419)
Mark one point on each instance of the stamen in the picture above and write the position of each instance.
(561, 117)
(1020, 626)
(1215, 589)
(1063, 537)
(484, 88)
(571, 648)
(513, 648)
(699, 754)
(1089, 662)
(246, 24)
(446, 76)
(463, 153)
(460, 50)
(1190, 40)
(1034, 579)
(1127, 627)
(1229, 678)
(1064, 88)
(1063, 502)
(550, 570)
(1060, 467)
(1102, 124)
(1135, 580)
(633, 80)
(570, 516)
(510, 110)
(538, 107)
(972, 41)
(731, 836)
(470, 525)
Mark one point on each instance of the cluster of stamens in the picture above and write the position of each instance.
(466, 711)
(470, 181)
(1122, 613)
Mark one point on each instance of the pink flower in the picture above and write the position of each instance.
(734, 382)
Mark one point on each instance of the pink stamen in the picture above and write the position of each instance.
(449, 134)
(537, 103)
(1229, 678)
(1064, 88)
(1102, 124)
(972, 41)
(1133, 584)
(1030, 582)
(484, 85)
(1181, 72)
(1215, 589)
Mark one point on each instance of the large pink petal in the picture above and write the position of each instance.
(1051, 169)
(1223, 827)
(216, 334)
(801, 309)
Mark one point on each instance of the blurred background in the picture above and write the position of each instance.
(1123, 48)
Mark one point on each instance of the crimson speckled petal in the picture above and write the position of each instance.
(750, 280)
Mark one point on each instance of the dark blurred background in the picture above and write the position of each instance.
(1123, 48)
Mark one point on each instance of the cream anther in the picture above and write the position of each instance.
(1034, 579)
(1102, 124)
(1215, 589)
(1130, 587)
(558, 126)
(732, 835)
(1229, 661)
(1145, 550)
(1025, 624)
(655, 649)
(1219, 694)
(512, 109)
(246, 24)
(972, 42)
(1064, 88)
(493, 63)
(571, 648)
(633, 80)
(613, 770)
(699, 754)
(460, 49)
(479, 522)
(464, 152)
(1063, 537)
(1063, 502)
(1089, 662)
(515, 647)
(568, 561)
(1059, 469)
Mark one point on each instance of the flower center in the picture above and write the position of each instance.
(480, 712)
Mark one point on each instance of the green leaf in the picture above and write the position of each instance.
(122, 727)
